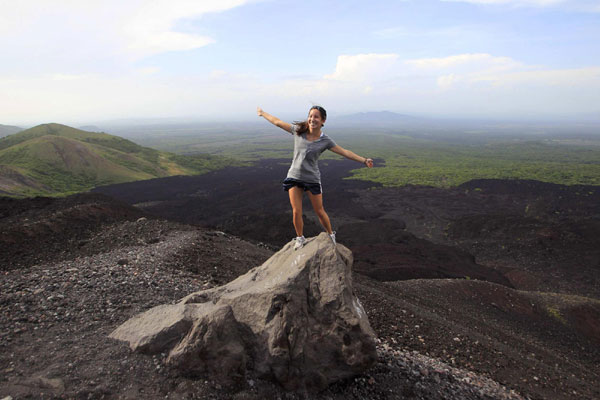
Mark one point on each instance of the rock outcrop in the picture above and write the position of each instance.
(294, 319)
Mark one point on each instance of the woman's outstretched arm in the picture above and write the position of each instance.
(352, 156)
(274, 120)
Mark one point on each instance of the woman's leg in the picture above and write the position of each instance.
(296, 202)
(317, 203)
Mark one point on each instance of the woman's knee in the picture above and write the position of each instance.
(297, 211)
(320, 212)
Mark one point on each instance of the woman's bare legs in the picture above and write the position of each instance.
(316, 200)
(295, 194)
(317, 203)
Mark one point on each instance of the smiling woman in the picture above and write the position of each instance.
(304, 175)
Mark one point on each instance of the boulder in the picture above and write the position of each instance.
(295, 319)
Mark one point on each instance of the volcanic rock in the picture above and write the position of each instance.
(295, 319)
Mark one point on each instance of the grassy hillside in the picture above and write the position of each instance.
(55, 159)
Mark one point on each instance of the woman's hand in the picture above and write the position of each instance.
(351, 155)
(274, 120)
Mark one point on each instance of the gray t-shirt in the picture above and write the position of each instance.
(305, 165)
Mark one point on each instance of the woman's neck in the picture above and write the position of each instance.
(315, 132)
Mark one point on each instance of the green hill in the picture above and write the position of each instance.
(54, 159)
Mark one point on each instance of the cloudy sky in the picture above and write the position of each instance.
(74, 61)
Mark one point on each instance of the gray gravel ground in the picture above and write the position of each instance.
(55, 319)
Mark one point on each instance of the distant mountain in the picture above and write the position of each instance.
(90, 128)
(54, 159)
(6, 130)
(377, 118)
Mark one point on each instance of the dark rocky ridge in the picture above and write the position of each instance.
(60, 228)
(250, 203)
(524, 234)
(540, 236)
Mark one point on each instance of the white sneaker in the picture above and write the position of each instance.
(332, 236)
(300, 240)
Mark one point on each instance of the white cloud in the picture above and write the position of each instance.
(464, 60)
(150, 30)
(462, 84)
(474, 69)
(362, 67)
(465, 68)
(94, 29)
(446, 81)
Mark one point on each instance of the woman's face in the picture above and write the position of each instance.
(315, 120)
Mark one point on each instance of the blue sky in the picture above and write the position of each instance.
(74, 62)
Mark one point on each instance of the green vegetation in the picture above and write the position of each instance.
(58, 160)
(449, 164)
(423, 160)
(201, 163)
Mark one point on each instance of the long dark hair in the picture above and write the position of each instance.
(303, 125)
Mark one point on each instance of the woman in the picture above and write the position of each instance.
(304, 174)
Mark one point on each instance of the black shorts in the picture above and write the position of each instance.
(315, 188)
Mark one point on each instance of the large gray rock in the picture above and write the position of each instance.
(294, 319)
